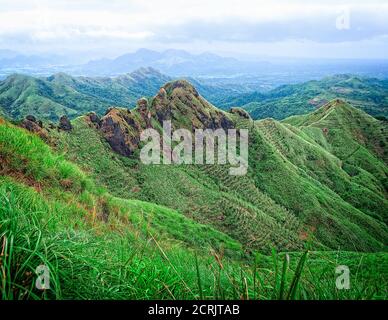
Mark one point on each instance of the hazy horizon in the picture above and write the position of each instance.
(244, 29)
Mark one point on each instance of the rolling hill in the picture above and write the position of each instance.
(292, 176)
(51, 97)
(61, 94)
(110, 226)
(368, 94)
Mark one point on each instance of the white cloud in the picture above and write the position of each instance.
(76, 24)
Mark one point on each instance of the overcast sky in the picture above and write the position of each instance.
(251, 28)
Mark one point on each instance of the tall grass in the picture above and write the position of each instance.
(140, 250)
(85, 263)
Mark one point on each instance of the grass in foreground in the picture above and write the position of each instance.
(100, 247)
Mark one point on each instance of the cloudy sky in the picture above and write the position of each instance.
(244, 28)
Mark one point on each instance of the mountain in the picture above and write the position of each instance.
(61, 94)
(316, 188)
(17, 60)
(55, 214)
(49, 98)
(355, 138)
(52, 213)
(172, 62)
(368, 94)
(295, 181)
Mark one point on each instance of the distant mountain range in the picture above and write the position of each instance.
(208, 68)
(36, 63)
(172, 62)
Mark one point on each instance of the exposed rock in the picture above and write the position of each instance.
(31, 118)
(93, 117)
(121, 131)
(142, 104)
(65, 124)
(240, 112)
(31, 124)
(177, 102)
(162, 94)
(142, 108)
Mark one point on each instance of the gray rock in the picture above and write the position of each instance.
(65, 124)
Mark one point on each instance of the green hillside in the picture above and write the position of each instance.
(294, 184)
(111, 227)
(98, 246)
(367, 94)
(50, 98)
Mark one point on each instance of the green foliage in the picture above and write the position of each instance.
(368, 94)
(119, 261)
(297, 186)
(116, 229)
(50, 98)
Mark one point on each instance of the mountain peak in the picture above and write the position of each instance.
(336, 103)
(335, 111)
(177, 101)
(60, 76)
(17, 77)
(181, 84)
(146, 70)
(332, 109)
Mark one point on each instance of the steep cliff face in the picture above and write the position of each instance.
(177, 101)
(121, 128)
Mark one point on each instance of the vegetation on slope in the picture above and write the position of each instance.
(296, 188)
(52, 97)
(98, 246)
(60, 94)
(367, 94)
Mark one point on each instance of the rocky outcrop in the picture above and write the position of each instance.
(121, 130)
(144, 111)
(33, 125)
(240, 112)
(93, 117)
(65, 124)
(177, 101)
(180, 102)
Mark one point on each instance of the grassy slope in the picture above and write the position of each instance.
(294, 187)
(335, 222)
(49, 98)
(53, 213)
(326, 168)
(205, 193)
(99, 246)
(368, 94)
